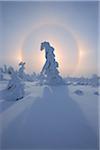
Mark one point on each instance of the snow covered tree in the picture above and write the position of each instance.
(1, 75)
(9, 70)
(15, 87)
(50, 68)
(21, 72)
(1, 69)
(95, 80)
(5, 69)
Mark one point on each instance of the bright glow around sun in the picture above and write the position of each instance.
(66, 49)
(73, 34)
(19, 56)
(82, 54)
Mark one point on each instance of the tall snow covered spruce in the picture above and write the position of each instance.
(50, 68)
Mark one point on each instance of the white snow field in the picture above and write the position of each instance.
(49, 117)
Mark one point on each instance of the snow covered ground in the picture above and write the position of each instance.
(50, 117)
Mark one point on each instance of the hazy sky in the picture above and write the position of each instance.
(70, 27)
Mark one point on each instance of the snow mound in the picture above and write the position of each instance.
(79, 92)
(96, 93)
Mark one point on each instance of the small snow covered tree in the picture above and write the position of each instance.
(1, 75)
(23, 75)
(50, 69)
(21, 72)
(15, 87)
(95, 80)
(5, 69)
(10, 68)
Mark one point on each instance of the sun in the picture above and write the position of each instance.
(19, 56)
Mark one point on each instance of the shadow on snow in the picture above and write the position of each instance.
(53, 121)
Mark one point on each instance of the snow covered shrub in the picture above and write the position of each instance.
(15, 88)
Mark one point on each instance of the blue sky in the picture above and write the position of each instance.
(71, 27)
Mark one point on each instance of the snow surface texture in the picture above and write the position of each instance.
(50, 117)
